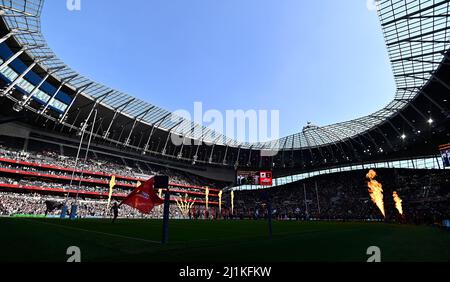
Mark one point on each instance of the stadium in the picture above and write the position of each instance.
(70, 147)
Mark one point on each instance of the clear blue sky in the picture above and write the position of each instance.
(318, 60)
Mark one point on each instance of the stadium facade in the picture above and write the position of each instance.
(43, 99)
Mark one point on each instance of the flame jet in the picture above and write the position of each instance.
(398, 203)
(376, 191)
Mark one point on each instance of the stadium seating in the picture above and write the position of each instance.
(344, 196)
(31, 178)
(28, 179)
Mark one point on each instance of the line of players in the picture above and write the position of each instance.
(446, 158)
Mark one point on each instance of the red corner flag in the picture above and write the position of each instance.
(144, 198)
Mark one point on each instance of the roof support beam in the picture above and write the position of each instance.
(96, 102)
(421, 35)
(212, 150)
(249, 162)
(444, 111)
(330, 132)
(224, 162)
(18, 79)
(156, 124)
(116, 112)
(16, 55)
(325, 142)
(408, 122)
(168, 137)
(408, 16)
(79, 91)
(8, 90)
(418, 111)
(100, 98)
(196, 151)
(420, 55)
(57, 92)
(6, 37)
(180, 154)
(378, 129)
(236, 164)
(33, 92)
(137, 120)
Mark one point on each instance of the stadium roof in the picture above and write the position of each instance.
(416, 35)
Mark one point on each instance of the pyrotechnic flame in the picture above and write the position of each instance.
(207, 198)
(376, 191)
(184, 205)
(398, 203)
(220, 202)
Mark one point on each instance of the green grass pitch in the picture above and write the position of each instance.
(41, 240)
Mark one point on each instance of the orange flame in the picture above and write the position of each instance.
(376, 191)
(398, 203)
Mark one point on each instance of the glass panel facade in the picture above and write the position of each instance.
(421, 163)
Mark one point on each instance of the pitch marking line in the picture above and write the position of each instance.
(96, 232)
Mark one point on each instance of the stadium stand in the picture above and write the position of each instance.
(29, 178)
(344, 196)
(48, 109)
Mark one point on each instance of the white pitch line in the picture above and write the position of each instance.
(98, 232)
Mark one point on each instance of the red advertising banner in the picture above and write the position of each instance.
(266, 178)
(257, 178)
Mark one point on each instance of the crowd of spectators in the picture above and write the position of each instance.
(17, 167)
(60, 186)
(93, 206)
(13, 204)
(107, 165)
(340, 196)
(344, 196)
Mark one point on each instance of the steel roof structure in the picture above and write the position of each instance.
(416, 34)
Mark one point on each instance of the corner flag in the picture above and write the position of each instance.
(144, 197)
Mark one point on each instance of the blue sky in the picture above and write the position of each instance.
(319, 60)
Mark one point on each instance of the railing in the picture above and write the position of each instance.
(85, 193)
(428, 162)
(100, 174)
